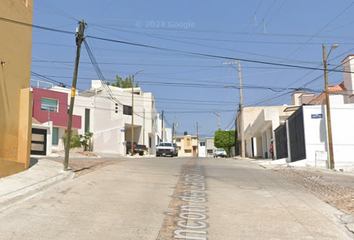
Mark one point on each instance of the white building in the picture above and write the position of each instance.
(259, 125)
(107, 112)
(202, 149)
(304, 136)
(210, 147)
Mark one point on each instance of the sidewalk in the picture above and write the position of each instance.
(41, 176)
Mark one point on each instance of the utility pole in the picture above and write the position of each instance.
(162, 126)
(241, 112)
(144, 126)
(219, 123)
(175, 128)
(328, 107)
(240, 116)
(132, 129)
(79, 38)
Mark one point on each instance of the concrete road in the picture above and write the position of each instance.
(174, 198)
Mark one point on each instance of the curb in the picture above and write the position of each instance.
(13, 198)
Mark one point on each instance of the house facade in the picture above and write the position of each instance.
(303, 138)
(259, 125)
(107, 113)
(210, 147)
(187, 145)
(15, 94)
(50, 121)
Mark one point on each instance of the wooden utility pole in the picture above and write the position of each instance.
(241, 112)
(132, 127)
(328, 108)
(79, 38)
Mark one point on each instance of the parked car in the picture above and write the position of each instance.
(220, 153)
(175, 149)
(165, 149)
(138, 148)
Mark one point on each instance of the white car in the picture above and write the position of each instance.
(220, 153)
(165, 149)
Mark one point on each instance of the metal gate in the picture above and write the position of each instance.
(297, 135)
(281, 142)
(39, 141)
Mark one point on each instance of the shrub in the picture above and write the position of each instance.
(74, 140)
(86, 141)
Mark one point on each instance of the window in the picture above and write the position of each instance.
(49, 105)
(188, 151)
(188, 142)
(166, 144)
(127, 110)
(178, 140)
(87, 120)
(202, 144)
(210, 151)
(55, 136)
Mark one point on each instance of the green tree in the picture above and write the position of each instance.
(224, 139)
(74, 140)
(126, 83)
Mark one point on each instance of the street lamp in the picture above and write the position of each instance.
(328, 109)
(241, 130)
(132, 130)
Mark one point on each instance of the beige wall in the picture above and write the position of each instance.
(186, 149)
(15, 97)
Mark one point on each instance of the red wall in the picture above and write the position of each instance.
(60, 118)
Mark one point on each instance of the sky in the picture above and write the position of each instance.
(188, 51)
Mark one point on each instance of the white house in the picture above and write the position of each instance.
(107, 112)
(209, 146)
(259, 125)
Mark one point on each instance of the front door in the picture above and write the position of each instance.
(39, 141)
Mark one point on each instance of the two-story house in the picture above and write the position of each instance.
(50, 121)
(187, 145)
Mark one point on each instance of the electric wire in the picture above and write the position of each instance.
(210, 55)
(35, 26)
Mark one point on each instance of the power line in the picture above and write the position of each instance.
(210, 55)
(326, 25)
(56, 9)
(172, 38)
(34, 26)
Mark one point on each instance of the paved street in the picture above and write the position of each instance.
(175, 198)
